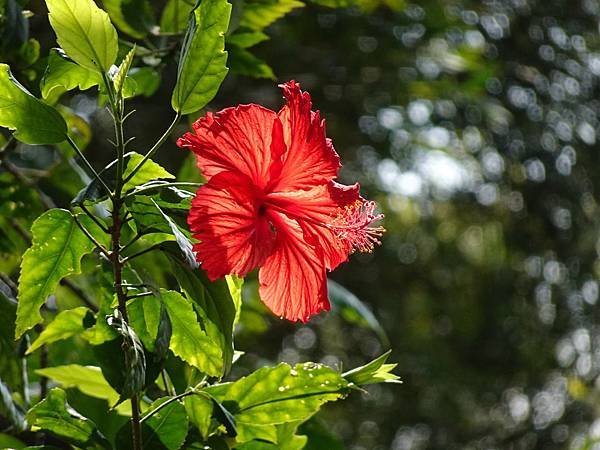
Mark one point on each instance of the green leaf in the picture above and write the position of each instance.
(262, 13)
(9, 442)
(170, 425)
(144, 317)
(84, 32)
(133, 17)
(202, 62)
(243, 62)
(174, 18)
(374, 372)
(247, 39)
(276, 395)
(165, 430)
(52, 415)
(147, 80)
(336, 3)
(88, 379)
(121, 75)
(56, 252)
(189, 341)
(199, 410)
(354, 310)
(11, 367)
(217, 302)
(33, 122)
(63, 75)
(66, 324)
(149, 171)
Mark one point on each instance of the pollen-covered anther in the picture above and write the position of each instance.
(353, 225)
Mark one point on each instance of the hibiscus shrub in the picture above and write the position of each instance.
(144, 274)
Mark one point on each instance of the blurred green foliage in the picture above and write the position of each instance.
(474, 125)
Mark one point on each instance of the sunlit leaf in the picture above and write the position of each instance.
(377, 371)
(199, 410)
(217, 302)
(88, 379)
(149, 171)
(66, 324)
(189, 341)
(260, 14)
(52, 415)
(56, 252)
(275, 395)
(202, 66)
(63, 75)
(84, 32)
(33, 122)
(121, 75)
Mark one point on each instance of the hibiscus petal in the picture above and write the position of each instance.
(234, 237)
(310, 158)
(247, 139)
(314, 210)
(292, 279)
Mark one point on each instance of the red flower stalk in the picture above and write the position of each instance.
(271, 202)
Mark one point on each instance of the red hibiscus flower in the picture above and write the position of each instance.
(271, 202)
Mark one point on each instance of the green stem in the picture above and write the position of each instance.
(154, 148)
(162, 185)
(117, 108)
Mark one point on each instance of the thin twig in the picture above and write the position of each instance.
(89, 165)
(154, 148)
(142, 294)
(94, 218)
(142, 252)
(98, 245)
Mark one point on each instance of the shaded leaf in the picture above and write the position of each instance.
(84, 32)
(147, 80)
(354, 310)
(202, 62)
(175, 16)
(247, 39)
(33, 122)
(243, 62)
(133, 17)
(63, 75)
(56, 251)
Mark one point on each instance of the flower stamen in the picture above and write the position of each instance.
(353, 225)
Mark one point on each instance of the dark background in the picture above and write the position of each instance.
(474, 126)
